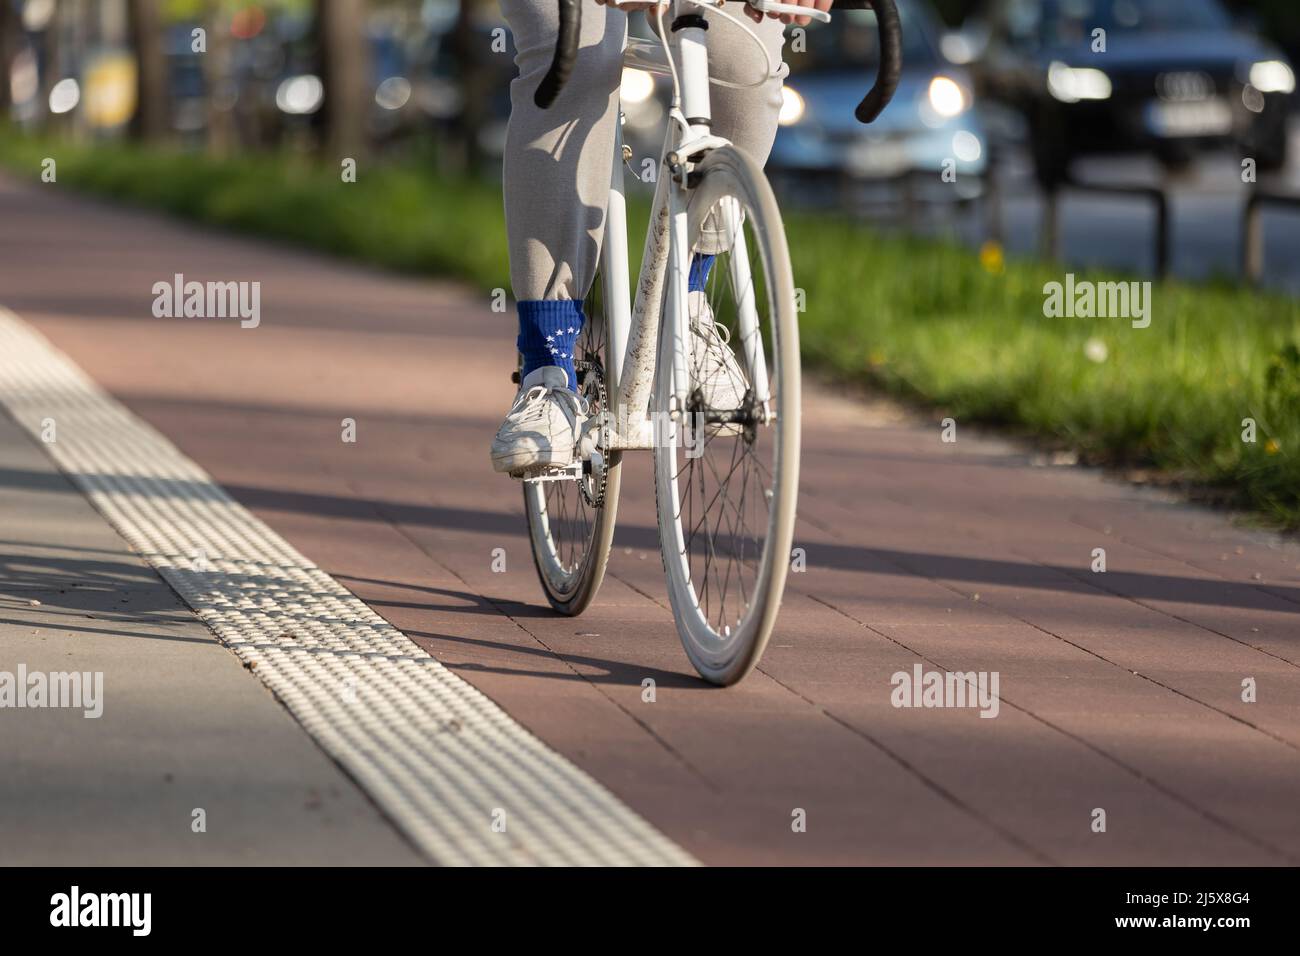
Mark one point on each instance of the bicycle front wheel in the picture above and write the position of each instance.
(727, 468)
(571, 521)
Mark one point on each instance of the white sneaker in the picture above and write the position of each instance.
(721, 379)
(541, 428)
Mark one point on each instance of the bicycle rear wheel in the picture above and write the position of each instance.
(571, 522)
(726, 479)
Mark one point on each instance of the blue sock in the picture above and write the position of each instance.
(699, 274)
(548, 329)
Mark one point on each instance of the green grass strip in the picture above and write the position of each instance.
(925, 320)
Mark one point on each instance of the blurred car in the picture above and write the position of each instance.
(1175, 77)
(931, 125)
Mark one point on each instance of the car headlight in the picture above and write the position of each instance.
(947, 97)
(792, 107)
(1272, 76)
(1070, 84)
(967, 146)
(637, 86)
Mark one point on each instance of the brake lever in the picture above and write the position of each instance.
(788, 9)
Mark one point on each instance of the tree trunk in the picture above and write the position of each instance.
(150, 122)
(51, 61)
(345, 57)
(470, 53)
(8, 50)
(216, 73)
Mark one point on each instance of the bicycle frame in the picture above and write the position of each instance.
(635, 349)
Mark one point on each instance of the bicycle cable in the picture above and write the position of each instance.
(674, 110)
(774, 70)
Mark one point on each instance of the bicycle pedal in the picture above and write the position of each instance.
(571, 472)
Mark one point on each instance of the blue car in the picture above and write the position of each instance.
(931, 126)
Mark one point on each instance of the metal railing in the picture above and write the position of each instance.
(1252, 233)
(1051, 231)
(991, 197)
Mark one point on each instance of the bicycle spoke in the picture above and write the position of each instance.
(572, 518)
(723, 501)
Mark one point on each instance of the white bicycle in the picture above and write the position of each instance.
(726, 479)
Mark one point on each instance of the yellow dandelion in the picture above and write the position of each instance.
(1271, 447)
(992, 259)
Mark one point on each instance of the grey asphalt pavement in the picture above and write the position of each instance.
(182, 728)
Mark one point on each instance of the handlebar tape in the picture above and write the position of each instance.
(566, 52)
(891, 56)
(872, 105)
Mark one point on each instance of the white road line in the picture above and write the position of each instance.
(465, 782)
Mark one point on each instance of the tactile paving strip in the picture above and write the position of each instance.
(446, 764)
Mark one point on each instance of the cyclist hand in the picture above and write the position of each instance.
(822, 5)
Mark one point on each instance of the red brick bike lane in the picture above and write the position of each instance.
(1119, 692)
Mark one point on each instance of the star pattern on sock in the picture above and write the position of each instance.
(547, 333)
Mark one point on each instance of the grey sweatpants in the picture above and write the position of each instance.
(557, 161)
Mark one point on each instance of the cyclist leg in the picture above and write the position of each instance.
(556, 166)
(556, 175)
(747, 117)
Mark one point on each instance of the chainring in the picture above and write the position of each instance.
(591, 379)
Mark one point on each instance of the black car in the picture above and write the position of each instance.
(1167, 76)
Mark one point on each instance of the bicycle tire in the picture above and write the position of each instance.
(570, 537)
(721, 653)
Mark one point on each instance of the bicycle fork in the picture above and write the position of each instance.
(666, 262)
(693, 99)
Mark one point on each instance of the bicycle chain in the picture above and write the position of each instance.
(596, 497)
